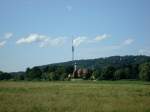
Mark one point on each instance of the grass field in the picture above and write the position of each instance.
(81, 96)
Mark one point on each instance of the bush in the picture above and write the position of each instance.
(108, 73)
(145, 71)
(34, 73)
(122, 73)
(96, 74)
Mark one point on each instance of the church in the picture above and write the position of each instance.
(83, 73)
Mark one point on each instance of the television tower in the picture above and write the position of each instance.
(74, 63)
(72, 51)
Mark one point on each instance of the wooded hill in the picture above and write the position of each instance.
(115, 61)
(109, 68)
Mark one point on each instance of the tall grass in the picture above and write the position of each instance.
(105, 96)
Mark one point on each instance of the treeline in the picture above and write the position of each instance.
(111, 68)
(49, 73)
(138, 72)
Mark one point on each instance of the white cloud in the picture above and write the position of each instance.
(144, 52)
(128, 41)
(8, 35)
(42, 40)
(57, 41)
(119, 46)
(47, 41)
(52, 42)
(2, 43)
(83, 39)
(32, 38)
(98, 38)
(102, 37)
(77, 41)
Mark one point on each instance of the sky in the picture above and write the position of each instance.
(39, 32)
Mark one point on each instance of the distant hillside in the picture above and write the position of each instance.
(109, 68)
(115, 61)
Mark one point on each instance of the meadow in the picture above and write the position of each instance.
(75, 96)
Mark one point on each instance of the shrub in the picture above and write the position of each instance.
(145, 71)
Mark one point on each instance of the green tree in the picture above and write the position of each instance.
(18, 77)
(54, 76)
(96, 74)
(122, 73)
(44, 76)
(108, 73)
(63, 76)
(60, 70)
(144, 71)
(69, 69)
(47, 76)
(5, 76)
(1, 75)
(34, 73)
(126, 73)
(51, 68)
(118, 74)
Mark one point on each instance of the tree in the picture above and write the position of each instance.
(45, 69)
(96, 74)
(60, 70)
(118, 74)
(1, 75)
(52, 68)
(63, 76)
(134, 71)
(122, 73)
(145, 71)
(18, 77)
(126, 73)
(69, 69)
(47, 76)
(34, 73)
(108, 73)
(54, 76)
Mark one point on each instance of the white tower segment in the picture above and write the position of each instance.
(74, 63)
(72, 51)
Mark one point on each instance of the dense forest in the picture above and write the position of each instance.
(109, 68)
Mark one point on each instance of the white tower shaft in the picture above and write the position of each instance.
(74, 63)
(72, 51)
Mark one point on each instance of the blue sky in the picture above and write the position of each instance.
(39, 32)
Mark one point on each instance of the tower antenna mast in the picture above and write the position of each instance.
(72, 51)
(74, 63)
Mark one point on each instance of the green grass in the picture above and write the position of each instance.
(75, 96)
